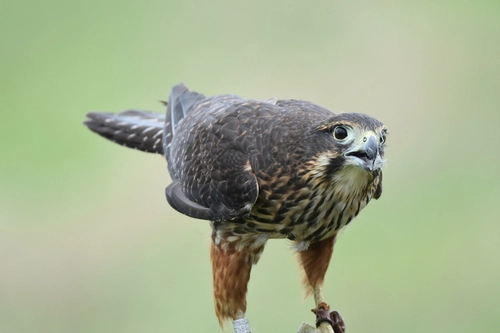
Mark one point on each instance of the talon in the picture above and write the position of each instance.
(322, 314)
(338, 323)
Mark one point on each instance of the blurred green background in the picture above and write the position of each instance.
(88, 242)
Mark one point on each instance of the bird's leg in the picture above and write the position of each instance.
(318, 294)
(231, 272)
(322, 311)
(231, 266)
(315, 261)
(241, 326)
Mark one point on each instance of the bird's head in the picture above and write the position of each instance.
(351, 141)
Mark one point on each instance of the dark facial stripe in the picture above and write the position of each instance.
(335, 164)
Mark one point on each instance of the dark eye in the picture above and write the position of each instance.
(340, 132)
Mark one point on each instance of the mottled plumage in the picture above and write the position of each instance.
(258, 170)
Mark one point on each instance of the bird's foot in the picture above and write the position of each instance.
(323, 314)
(338, 322)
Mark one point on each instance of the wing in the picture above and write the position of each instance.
(225, 192)
(209, 160)
(178, 200)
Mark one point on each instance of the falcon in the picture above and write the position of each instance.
(259, 170)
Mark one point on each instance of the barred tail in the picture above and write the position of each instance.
(141, 130)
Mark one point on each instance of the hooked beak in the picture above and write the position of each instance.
(366, 154)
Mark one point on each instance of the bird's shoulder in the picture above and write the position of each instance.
(223, 108)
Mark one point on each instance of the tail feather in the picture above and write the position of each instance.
(179, 104)
(141, 130)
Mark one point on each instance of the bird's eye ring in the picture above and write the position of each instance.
(340, 133)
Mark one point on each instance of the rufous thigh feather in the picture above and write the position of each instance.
(315, 261)
(231, 272)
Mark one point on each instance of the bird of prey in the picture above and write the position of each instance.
(258, 170)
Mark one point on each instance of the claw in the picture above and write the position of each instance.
(322, 314)
(338, 323)
(333, 318)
